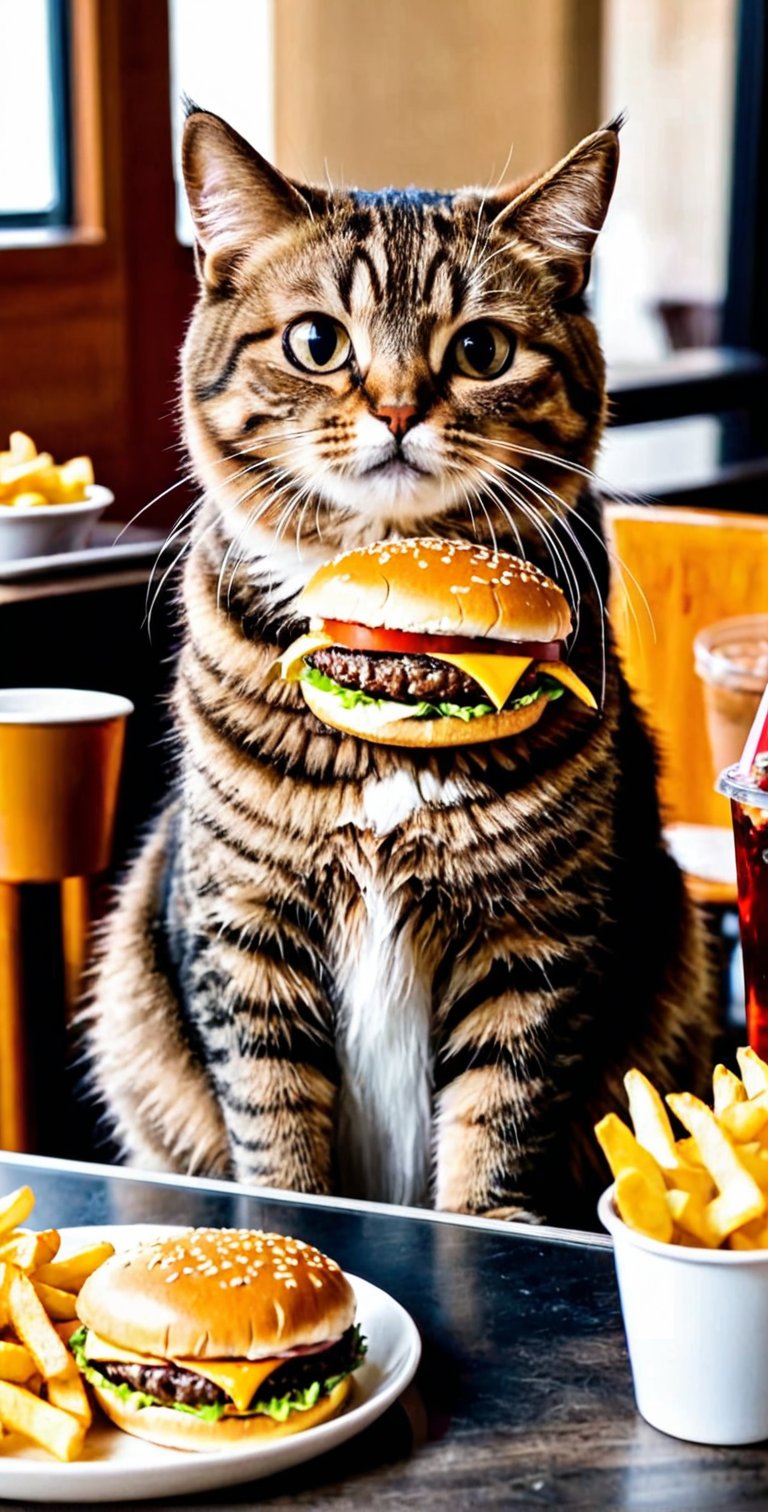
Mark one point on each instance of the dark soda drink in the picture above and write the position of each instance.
(749, 812)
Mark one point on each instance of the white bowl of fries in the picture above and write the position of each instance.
(689, 1222)
(46, 507)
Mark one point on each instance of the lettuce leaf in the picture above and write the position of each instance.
(349, 698)
(278, 1408)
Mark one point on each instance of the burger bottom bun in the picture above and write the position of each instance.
(181, 1430)
(423, 733)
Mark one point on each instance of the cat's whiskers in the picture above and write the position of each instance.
(557, 556)
(172, 535)
(266, 501)
(288, 484)
(188, 476)
(617, 563)
(531, 510)
(489, 188)
(542, 495)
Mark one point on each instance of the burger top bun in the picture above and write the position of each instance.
(182, 1430)
(439, 588)
(218, 1294)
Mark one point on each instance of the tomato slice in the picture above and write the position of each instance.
(365, 638)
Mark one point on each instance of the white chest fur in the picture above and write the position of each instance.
(384, 1029)
(383, 1044)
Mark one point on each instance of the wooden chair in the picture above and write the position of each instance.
(684, 569)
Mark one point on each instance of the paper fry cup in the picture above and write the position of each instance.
(696, 1322)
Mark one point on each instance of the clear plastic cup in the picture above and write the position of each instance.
(696, 1322)
(749, 813)
(731, 658)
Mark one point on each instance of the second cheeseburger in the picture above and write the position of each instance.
(430, 642)
(218, 1336)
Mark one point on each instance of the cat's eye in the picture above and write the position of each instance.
(483, 350)
(318, 344)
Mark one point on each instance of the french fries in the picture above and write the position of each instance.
(33, 1326)
(643, 1205)
(16, 1208)
(68, 1392)
(16, 1363)
(42, 1395)
(28, 1250)
(59, 1305)
(709, 1188)
(71, 1274)
(23, 1412)
(29, 478)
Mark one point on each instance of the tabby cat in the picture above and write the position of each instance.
(414, 976)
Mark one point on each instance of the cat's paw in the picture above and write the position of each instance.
(513, 1215)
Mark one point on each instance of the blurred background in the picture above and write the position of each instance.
(94, 241)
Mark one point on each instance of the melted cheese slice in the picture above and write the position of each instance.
(240, 1379)
(290, 664)
(569, 680)
(97, 1348)
(496, 674)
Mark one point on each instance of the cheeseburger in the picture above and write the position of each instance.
(430, 642)
(218, 1336)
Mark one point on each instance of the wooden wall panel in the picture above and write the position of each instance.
(432, 92)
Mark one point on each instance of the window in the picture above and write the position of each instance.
(35, 187)
(661, 270)
(221, 57)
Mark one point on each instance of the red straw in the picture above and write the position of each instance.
(757, 739)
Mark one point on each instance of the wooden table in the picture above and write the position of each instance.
(523, 1398)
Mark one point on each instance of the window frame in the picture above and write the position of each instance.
(733, 375)
(59, 213)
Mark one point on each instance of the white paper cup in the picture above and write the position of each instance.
(696, 1322)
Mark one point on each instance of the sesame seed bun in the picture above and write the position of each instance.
(435, 587)
(421, 733)
(180, 1430)
(218, 1294)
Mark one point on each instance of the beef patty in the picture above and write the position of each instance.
(169, 1384)
(401, 677)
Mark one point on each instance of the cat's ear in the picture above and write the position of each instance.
(562, 212)
(235, 196)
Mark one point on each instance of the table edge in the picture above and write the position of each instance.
(534, 1232)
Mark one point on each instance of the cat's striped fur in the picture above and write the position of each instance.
(408, 975)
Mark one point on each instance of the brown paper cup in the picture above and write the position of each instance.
(61, 751)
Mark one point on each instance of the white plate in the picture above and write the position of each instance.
(116, 1467)
(134, 548)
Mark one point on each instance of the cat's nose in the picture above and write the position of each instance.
(399, 417)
